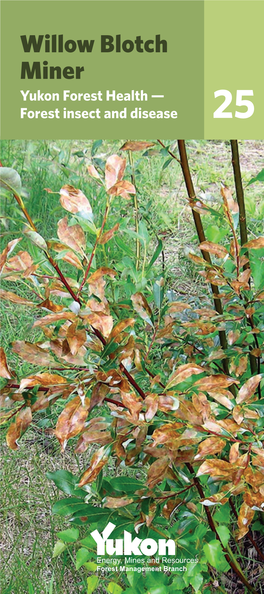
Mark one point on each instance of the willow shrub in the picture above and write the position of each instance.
(145, 383)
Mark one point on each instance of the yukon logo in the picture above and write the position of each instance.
(129, 546)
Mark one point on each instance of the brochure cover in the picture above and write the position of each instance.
(132, 288)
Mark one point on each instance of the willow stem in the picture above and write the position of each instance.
(201, 235)
(133, 180)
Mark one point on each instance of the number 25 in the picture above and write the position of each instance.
(240, 102)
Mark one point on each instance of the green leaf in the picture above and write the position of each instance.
(214, 555)
(155, 255)
(196, 581)
(58, 548)
(159, 589)
(95, 146)
(37, 239)
(114, 588)
(259, 177)
(143, 232)
(224, 534)
(215, 234)
(126, 484)
(92, 583)
(256, 258)
(69, 535)
(165, 165)
(67, 507)
(222, 515)
(90, 565)
(82, 556)
(10, 177)
(158, 291)
(66, 482)
(95, 514)
(124, 246)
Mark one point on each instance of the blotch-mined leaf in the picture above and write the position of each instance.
(52, 318)
(116, 502)
(98, 461)
(74, 200)
(42, 379)
(211, 445)
(183, 373)
(108, 234)
(122, 188)
(248, 389)
(157, 471)
(20, 425)
(33, 353)
(8, 249)
(114, 170)
(73, 236)
(214, 248)
(71, 420)
(255, 244)
(245, 517)
(4, 371)
(75, 338)
(9, 296)
(136, 145)
(142, 307)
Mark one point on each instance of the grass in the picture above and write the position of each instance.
(27, 528)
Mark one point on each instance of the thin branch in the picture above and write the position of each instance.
(254, 364)
(94, 249)
(133, 180)
(239, 193)
(200, 232)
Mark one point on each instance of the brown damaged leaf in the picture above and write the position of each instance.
(8, 249)
(33, 353)
(75, 338)
(142, 307)
(4, 371)
(218, 468)
(122, 188)
(10, 296)
(184, 372)
(229, 201)
(74, 200)
(19, 427)
(108, 234)
(216, 381)
(42, 379)
(116, 502)
(98, 461)
(93, 172)
(69, 257)
(136, 145)
(255, 244)
(22, 262)
(71, 420)
(121, 326)
(211, 445)
(248, 389)
(246, 515)
(73, 236)
(114, 170)
(214, 248)
(158, 471)
(52, 318)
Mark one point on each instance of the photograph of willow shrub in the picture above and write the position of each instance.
(132, 299)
